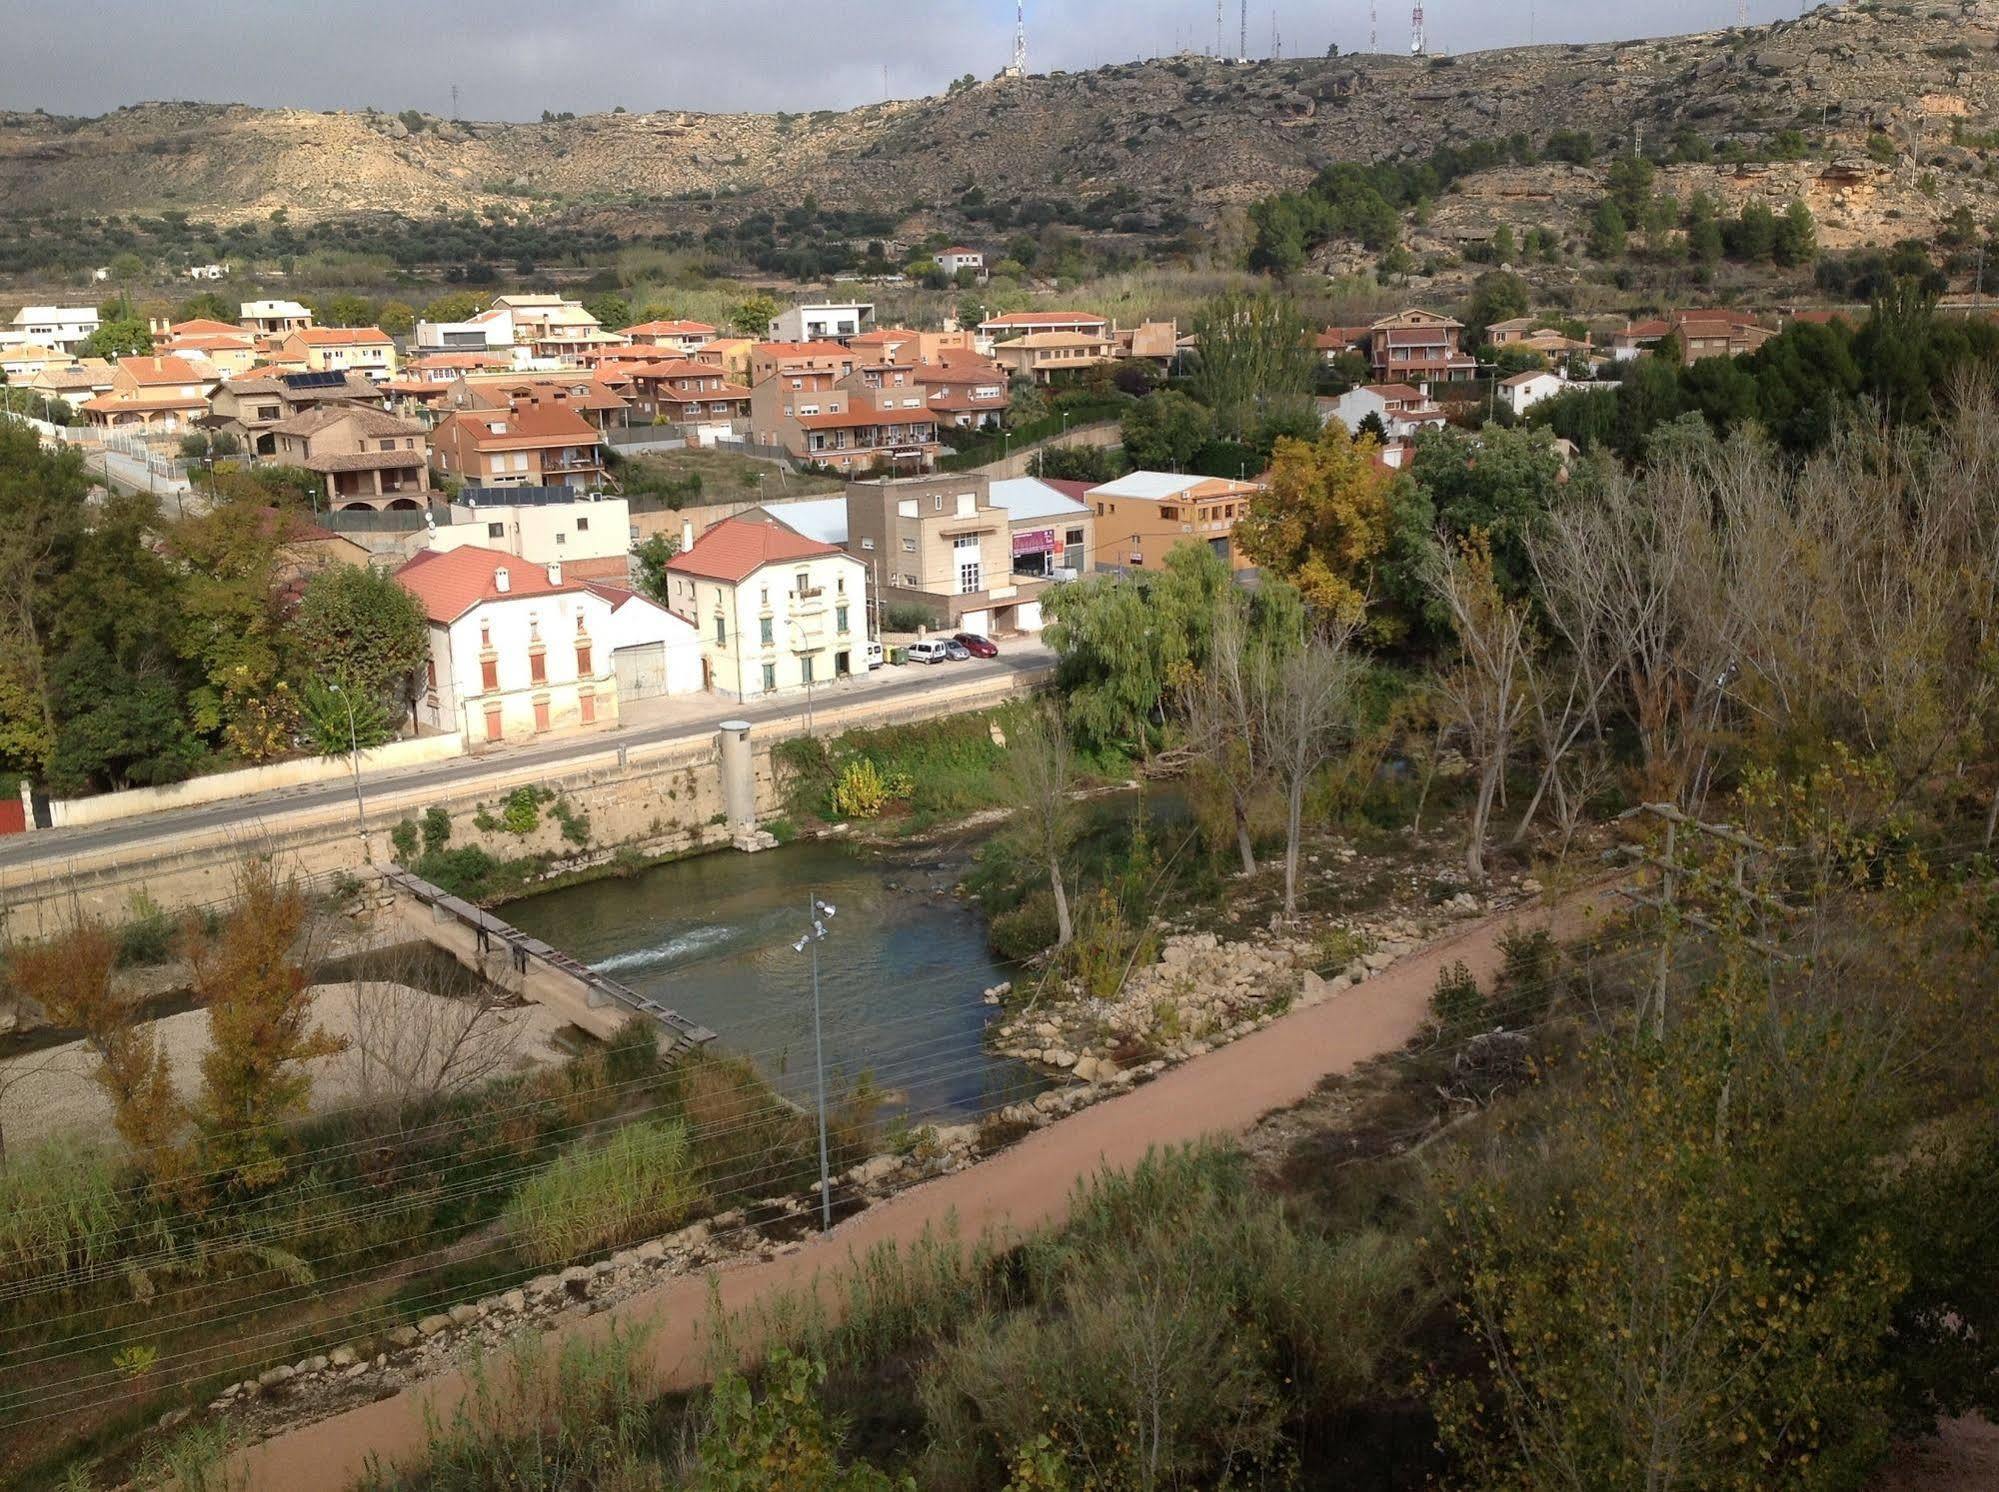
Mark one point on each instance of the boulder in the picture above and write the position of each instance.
(514, 1300)
(342, 1357)
(404, 1337)
(271, 1377)
(464, 1315)
(433, 1326)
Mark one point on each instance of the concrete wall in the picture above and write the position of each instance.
(218, 787)
(658, 799)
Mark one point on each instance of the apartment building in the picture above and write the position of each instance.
(1140, 517)
(60, 328)
(273, 318)
(824, 322)
(1419, 346)
(598, 401)
(166, 393)
(681, 391)
(536, 442)
(843, 423)
(516, 650)
(588, 534)
(942, 543)
(776, 359)
(1048, 356)
(367, 350)
(367, 459)
(775, 611)
(966, 392)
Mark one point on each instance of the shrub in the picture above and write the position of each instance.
(403, 839)
(640, 1181)
(864, 790)
(575, 823)
(466, 872)
(149, 937)
(904, 616)
(1529, 958)
(1026, 930)
(436, 830)
(1456, 1001)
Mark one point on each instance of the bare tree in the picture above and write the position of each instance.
(1488, 692)
(1041, 782)
(1222, 722)
(1304, 709)
(410, 1048)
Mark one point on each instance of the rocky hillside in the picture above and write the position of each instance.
(1179, 135)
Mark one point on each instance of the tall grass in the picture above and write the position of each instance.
(641, 1180)
(60, 1210)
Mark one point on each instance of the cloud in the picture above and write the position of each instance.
(511, 59)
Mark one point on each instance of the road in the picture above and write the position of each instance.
(1018, 1191)
(57, 846)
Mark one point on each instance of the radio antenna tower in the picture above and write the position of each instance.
(1741, 13)
(1373, 26)
(1219, 33)
(1018, 68)
(1242, 38)
(1418, 43)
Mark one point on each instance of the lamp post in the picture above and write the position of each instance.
(354, 750)
(815, 934)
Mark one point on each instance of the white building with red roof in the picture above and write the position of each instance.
(958, 257)
(676, 336)
(517, 650)
(367, 350)
(1401, 409)
(775, 610)
(1030, 323)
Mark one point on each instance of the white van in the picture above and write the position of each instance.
(929, 651)
(873, 653)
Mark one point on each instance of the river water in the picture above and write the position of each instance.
(901, 970)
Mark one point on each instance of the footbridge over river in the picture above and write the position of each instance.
(530, 968)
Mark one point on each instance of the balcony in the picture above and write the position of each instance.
(571, 462)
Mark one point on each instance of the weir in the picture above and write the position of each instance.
(531, 968)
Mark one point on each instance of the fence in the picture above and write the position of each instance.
(362, 521)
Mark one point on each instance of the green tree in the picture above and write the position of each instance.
(360, 628)
(1501, 483)
(396, 317)
(453, 305)
(120, 726)
(1607, 231)
(207, 306)
(1163, 431)
(229, 625)
(783, 1442)
(1796, 237)
(1255, 360)
(1629, 182)
(753, 315)
(612, 310)
(1804, 379)
(652, 557)
(127, 337)
(1754, 235)
(1704, 237)
(347, 310)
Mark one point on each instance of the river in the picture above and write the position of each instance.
(902, 968)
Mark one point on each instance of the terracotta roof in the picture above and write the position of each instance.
(1396, 392)
(366, 461)
(735, 549)
(961, 372)
(861, 416)
(524, 427)
(211, 342)
(106, 403)
(370, 422)
(800, 349)
(449, 583)
(168, 369)
(504, 390)
(71, 376)
(202, 327)
(957, 249)
(1044, 318)
(416, 388)
(670, 329)
(342, 336)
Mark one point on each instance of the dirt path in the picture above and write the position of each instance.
(1022, 1189)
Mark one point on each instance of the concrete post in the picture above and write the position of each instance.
(739, 778)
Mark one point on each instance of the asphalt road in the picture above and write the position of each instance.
(57, 845)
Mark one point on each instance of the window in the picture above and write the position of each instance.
(541, 714)
(388, 445)
(583, 525)
(770, 677)
(721, 630)
(805, 668)
(430, 674)
(937, 503)
(489, 675)
(763, 598)
(868, 545)
(586, 703)
(561, 539)
(494, 729)
(485, 634)
(766, 629)
(840, 618)
(840, 584)
(583, 669)
(537, 667)
(909, 546)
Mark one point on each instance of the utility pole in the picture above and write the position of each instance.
(815, 934)
(454, 100)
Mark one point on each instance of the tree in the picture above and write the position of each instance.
(1496, 295)
(1255, 360)
(1040, 784)
(250, 976)
(120, 725)
(652, 557)
(1753, 235)
(206, 306)
(361, 628)
(1322, 523)
(1076, 464)
(1163, 431)
(611, 310)
(753, 315)
(1607, 231)
(129, 337)
(781, 1443)
(453, 305)
(1704, 237)
(1795, 239)
(396, 317)
(347, 310)
(229, 625)
(1501, 484)
(1304, 699)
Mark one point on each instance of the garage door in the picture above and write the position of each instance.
(641, 670)
(978, 623)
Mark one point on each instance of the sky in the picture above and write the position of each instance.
(511, 59)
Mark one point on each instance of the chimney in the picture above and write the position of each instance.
(686, 534)
(502, 581)
(555, 572)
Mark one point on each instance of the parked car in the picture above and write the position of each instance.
(930, 651)
(977, 646)
(956, 651)
(873, 653)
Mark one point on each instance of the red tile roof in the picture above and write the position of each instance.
(670, 329)
(169, 369)
(449, 583)
(801, 349)
(342, 336)
(1069, 489)
(202, 327)
(735, 549)
(1046, 318)
(523, 427)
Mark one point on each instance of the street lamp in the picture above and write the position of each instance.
(354, 748)
(812, 939)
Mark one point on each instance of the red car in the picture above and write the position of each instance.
(976, 645)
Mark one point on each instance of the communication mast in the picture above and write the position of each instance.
(1418, 43)
(1242, 38)
(1018, 67)
(1373, 26)
(1218, 29)
(1741, 13)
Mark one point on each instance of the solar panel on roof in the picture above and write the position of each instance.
(314, 380)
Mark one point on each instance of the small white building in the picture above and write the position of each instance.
(273, 318)
(653, 652)
(959, 257)
(1523, 391)
(775, 610)
(488, 331)
(206, 271)
(516, 650)
(1403, 410)
(588, 534)
(63, 328)
(823, 323)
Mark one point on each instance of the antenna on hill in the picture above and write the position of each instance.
(454, 100)
(1373, 26)
(1741, 12)
(1276, 38)
(1418, 42)
(1242, 37)
(1218, 29)
(1019, 66)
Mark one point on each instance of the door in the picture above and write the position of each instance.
(641, 670)
(978, 623)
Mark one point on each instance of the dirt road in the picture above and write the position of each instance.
(1022, 1189)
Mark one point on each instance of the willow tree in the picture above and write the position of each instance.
(1256, 361)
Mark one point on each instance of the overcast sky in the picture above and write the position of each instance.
(511, 59)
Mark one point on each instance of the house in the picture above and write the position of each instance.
(843, 423)
(827, 322)
(1402, 410)
(590, 535)
(902, 344)
(249, 407)
(72, 382)
(1333, 341)
(1513, 329)
(367, 459)
(20, 363)
(273, 318)
(967, 393)
(959, 257)
(516, 650)
(305, 548)
(1523, 391)
(489, 331)
(167, 393)
(1142, 515)
(1052, 526)
(367, 350)
(941, 543)
(228, 353)
(63, 328)
(1027, 323)
(597, 401)
(1712, 332)
(540, 441)
(775, 610)
(1149, 341)
(685, 337)
(653, 652)
(206, 271)
(680, 391)
(553, 328)
(732, 355)
(1046, 356)
(1420, 345)
(772, 359)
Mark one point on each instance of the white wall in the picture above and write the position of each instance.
(639, 622)
(737, 666)
(513, 627)
(546, 533)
